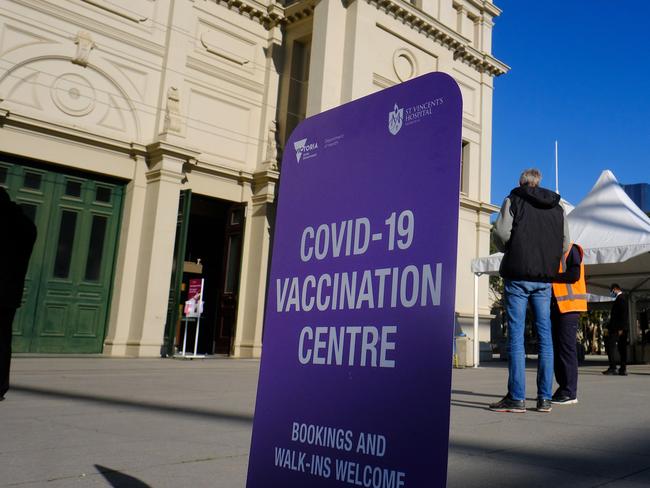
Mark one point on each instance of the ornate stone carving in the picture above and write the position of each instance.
(50, 89)
(85, 44)
(73, 94)
(272, 146)
(404, 64)
(172, 111)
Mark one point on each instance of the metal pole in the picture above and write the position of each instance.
(476, 342)
(557, 179)
(185, 337)
(198, 318)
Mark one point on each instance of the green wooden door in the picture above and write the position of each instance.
(68, 284)
(173, 305)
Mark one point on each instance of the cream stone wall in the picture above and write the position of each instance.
(164, 95)
(169, 95)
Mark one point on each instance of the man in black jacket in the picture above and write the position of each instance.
(617, 332)
(533, 233)
(16, 244)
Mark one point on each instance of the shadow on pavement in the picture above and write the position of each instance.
(466, 404)
(236, 417)
(121, 480)
(614, 463)
(493, 396)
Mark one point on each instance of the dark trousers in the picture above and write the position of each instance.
(565, 355)
(6, 319)
(615, 341)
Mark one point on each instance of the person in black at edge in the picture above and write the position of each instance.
(617, 332)
(16, 244)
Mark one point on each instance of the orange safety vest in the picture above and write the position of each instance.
(571, 297)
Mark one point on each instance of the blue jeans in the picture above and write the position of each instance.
(517, 295)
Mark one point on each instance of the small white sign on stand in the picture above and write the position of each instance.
(192, 311)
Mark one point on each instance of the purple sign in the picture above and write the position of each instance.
(355, 379)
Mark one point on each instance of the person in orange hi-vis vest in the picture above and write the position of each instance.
(569, 299)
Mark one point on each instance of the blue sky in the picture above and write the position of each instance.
(580, 74)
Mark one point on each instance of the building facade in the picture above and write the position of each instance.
(144, 139)
(640, 195)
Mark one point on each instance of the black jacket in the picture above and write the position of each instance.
(573, 262)
(618, 317)
(16, 244)
(534, 249)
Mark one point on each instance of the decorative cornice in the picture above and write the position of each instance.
(157, 150)
(299, 11)
(264, 183)
(10, 119)
(267, 15)
(436, 30)
(272, 15)
(483, 6)
(221, 171)
(4, 113)
(483, 62)
(486, 6)
(167, 162)
(477, 206)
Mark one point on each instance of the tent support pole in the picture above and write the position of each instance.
(476, 341)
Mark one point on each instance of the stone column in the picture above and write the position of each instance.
(257, 249)
(327, 50)
(486, 34)
(156, 253)
(124, 290)
(358, 64)
(485, 176)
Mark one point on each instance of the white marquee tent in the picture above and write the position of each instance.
(615, 235)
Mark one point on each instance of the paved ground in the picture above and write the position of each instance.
(72, 422)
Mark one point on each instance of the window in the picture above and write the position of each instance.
(32, 180)
(232, 264)
(464, 168)
(73, 188)
(66, 240)
(95, 248)
(103, 194)
(298, 84)
(236, 216)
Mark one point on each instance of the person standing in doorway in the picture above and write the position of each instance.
(617, 332)
(16, 244)
(569, 299)
(533, 233)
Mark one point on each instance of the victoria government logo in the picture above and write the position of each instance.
(395, 119)
(305, 150)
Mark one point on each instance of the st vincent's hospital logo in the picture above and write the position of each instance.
(395, 119)
(411, 115)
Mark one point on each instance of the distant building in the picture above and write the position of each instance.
(640, 194)
(144, 138)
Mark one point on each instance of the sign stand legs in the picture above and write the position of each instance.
(196, 289)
